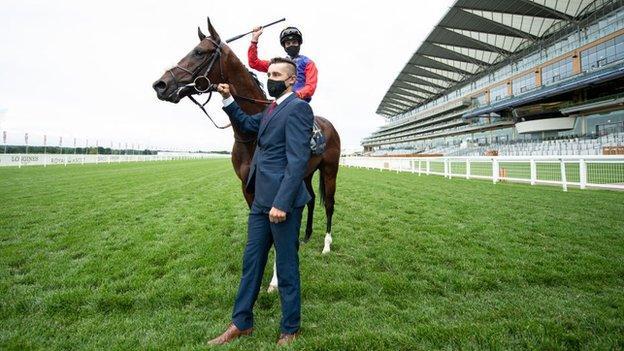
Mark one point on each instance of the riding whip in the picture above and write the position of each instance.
(242, 35)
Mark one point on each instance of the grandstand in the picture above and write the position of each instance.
(526, 77)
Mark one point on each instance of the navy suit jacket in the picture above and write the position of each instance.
(282, 152)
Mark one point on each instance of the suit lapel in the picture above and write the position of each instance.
(275, 112)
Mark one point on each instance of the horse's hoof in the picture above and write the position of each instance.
(272, 289)
(326, 250)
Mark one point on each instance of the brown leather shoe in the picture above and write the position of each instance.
(287, 339)
(230, 334)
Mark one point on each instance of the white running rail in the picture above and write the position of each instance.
(606, 172)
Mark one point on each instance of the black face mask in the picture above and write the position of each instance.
(292, 51)
(276, 87)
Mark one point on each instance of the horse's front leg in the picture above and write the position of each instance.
(248, 196)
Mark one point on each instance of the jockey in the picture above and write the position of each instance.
(291, 40)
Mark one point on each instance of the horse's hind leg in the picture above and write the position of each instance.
(309, 224)
(273, 283)
(329, 173)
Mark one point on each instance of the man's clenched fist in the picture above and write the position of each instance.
(224, 90)
(257, 32)
(276, 215)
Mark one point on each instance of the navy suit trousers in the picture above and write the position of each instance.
(261, 234)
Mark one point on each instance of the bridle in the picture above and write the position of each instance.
(202, 84)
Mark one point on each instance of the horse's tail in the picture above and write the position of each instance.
(321, 188)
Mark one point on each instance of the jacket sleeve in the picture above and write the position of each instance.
(298, 130)
(247, 123)
(311, 76)
(254, 61)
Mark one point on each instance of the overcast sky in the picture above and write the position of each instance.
(84, 69)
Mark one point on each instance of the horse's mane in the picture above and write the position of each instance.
(255, 78)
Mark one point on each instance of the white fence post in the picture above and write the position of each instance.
(564, 181)
(419, 167)
(533, 171)
(495, 171)
(467, 168)
(428, 166)
(450, 168)
(582, 174)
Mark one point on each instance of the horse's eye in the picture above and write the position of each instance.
(198, 53)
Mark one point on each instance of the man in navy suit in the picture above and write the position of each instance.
(276, 179)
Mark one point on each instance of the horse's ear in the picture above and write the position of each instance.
(212, 31)
(201, 35)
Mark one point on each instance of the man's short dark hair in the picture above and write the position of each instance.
(290, 62)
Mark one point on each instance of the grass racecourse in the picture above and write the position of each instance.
(148, 256)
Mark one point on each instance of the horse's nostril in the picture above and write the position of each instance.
(160, 86)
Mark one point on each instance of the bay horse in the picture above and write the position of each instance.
(221, 65)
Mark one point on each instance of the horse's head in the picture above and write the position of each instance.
(203, 61)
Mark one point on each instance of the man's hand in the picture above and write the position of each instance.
(276, 215)
(224, 90)
(257, 32)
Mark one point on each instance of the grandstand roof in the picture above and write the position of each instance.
(472, 36)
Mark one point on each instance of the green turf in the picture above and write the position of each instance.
(148, 256)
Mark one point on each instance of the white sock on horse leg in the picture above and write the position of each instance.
(273, 283)
(328, 242)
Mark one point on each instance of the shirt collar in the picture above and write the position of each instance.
(282, 98)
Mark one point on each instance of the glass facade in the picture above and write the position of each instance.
(557, 71)
(498, 93)
(607, 25)
(479, 100)
(592, 58)
(523, 84)
(608, 52)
